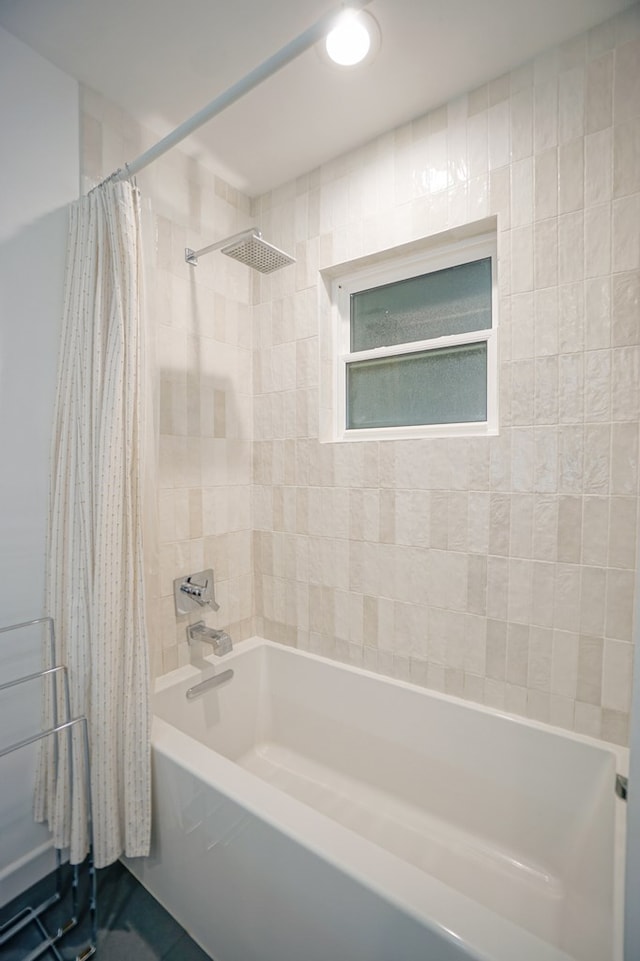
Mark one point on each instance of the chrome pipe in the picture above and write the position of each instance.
(191, 256)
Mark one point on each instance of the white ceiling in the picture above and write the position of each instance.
(163, 60)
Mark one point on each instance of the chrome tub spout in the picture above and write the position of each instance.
(219, 640)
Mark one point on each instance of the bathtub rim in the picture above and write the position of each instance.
(191, 672)
(484, 933)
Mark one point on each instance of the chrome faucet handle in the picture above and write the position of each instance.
(194, 591)
(199, 592)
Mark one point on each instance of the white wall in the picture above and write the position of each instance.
(632, 880)
(39, 172)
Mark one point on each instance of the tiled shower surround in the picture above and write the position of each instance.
(500, 569)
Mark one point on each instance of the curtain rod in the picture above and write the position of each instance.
(266, 69)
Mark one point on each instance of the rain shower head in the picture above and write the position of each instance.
(249, 248)
(257, 253)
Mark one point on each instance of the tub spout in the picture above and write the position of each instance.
(220, 640)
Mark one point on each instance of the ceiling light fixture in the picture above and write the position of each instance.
(355, 38)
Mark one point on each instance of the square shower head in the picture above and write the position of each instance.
(257, 253)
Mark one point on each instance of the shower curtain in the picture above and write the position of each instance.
(95, 590)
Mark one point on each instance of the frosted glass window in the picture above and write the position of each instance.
(446, 386)
(455, 300)
(413, 341)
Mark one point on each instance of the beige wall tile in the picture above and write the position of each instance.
(615, 726)
(547, 464)
(540, 659)
(595, 531)
(546, 184)
(626, 81)
(522, 259)
(517, 659)
(625, 391)
(561, 711)
(566, 613)
(626, 309)
(571, 176)
(543, 588)
(590, 655)
(571, 306)
(515, 699)
(622, 532)
(522, 192)
(624, 459)
(626, 233)
(619, 613)
(545, 527)
(592, 601)
(617, 676)
(545, 394)
(599, 98)
(571, 247)
(497, 568)
(546, 253)
(588, 719)
(545, 124)
(626, 157)
(597, 312)
(564, 664)
(494, 694)
(597, 384)
(539, 706)
(569, 529)
(597, 459)
(571, 94)
(597, 225)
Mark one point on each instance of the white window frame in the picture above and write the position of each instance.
(402, 267)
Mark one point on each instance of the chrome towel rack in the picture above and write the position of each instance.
(35, 915)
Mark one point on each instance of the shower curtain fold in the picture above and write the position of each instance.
(95, 571)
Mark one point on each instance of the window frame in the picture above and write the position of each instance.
(394, 268)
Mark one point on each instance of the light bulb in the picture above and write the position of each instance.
(349, 42)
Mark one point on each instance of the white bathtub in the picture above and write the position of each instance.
(308, 811)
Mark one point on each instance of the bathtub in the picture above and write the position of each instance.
(309, 811)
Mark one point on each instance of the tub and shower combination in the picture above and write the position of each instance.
(309, 810)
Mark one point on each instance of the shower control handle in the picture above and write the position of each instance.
(194, 592)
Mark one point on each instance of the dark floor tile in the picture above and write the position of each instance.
(55, 917)
(125, 946)
(132, 926)
(127, 907)
(186, 950)
(19, 947)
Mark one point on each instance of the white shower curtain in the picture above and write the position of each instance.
(95, 588)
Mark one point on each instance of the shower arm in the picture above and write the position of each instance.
(263, 71)
(191, 256)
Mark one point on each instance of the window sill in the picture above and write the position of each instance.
(419, 432)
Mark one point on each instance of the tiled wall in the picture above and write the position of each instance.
(500, 569)
(200, 339)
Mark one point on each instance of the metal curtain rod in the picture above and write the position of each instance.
(266, 69)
